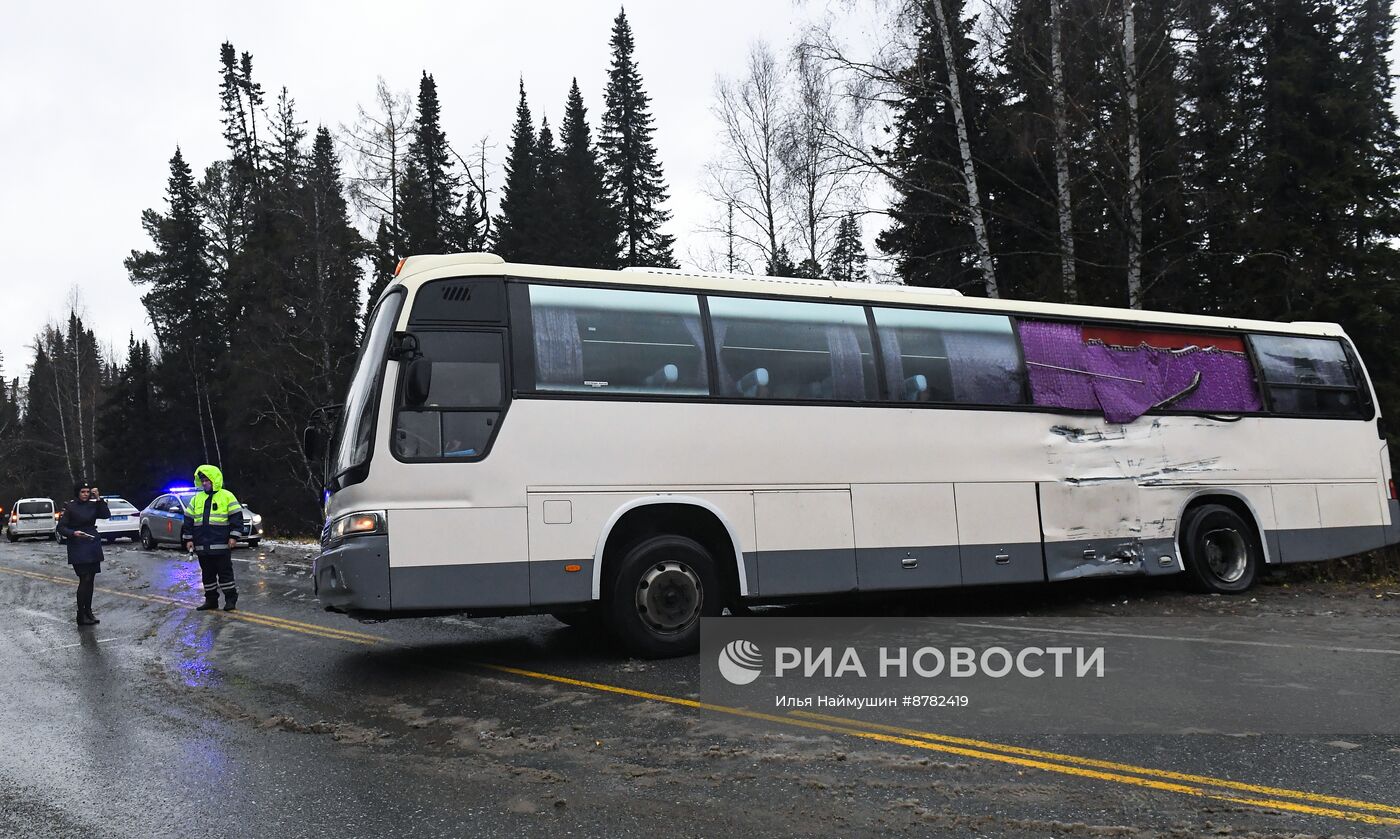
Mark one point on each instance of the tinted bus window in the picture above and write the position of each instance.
(467, 369)
(781, 349)
(595, 340)
(464, 400)
(1308, 375)
(935, 356)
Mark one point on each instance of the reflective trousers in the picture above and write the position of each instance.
(217, 570)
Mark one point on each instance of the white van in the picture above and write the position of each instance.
(31, 517)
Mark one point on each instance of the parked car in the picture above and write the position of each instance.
(124, 523)
(31, 517)
(160, 522)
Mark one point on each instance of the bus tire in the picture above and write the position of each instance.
(662, 586)
(1222, 550)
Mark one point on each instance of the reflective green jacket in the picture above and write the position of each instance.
(211, 519)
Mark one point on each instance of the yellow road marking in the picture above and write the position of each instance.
(1105, 764)
(1182, 783)
(927, 745)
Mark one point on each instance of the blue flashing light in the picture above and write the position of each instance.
(181, 488)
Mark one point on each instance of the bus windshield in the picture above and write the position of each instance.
(352, 444)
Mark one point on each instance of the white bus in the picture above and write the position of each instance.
(641, 448)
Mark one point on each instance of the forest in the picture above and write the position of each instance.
(1224, 157)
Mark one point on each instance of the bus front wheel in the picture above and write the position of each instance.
(1222, 551)
(662, 587)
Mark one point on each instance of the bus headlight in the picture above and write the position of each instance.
(357, 524)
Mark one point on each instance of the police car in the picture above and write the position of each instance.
(162, 519)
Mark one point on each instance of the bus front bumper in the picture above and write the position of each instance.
(353, 576)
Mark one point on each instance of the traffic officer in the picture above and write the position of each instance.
(78, 527)
(212, 528)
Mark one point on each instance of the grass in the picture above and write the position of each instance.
(1380, 567)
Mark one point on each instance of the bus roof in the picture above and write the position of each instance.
(417, 270)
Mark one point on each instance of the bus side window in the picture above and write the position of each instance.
(962, 357)
(418, 434)
(598, 340)
(1311, 376)
(464, 402)
(784, 349)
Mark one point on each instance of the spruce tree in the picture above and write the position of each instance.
(1168, 281)
(137, 464)
(847, 262)
(181, 300)
(1220, 135)
(418, 220)
(781, 264)
(1374, 158)
(1373, 226)
(240, 99)
(384, 257)
(435, 218)
(332, 279)
(1300, 190)
(592, 226)
(633, 171)
(515, 235)
(9, 431)
(929, 236)
(548, 214)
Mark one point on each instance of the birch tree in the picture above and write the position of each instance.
(818, 184)
(1064, 207)
(974, 199)
(747, 176)
(1134, 152)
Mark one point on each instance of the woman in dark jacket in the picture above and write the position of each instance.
(78, 527)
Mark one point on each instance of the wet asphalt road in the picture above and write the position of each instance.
(283, 720)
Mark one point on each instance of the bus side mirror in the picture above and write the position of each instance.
(405, 347)
(313, 443)
(418, 382)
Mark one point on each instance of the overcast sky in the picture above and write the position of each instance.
(95, 96)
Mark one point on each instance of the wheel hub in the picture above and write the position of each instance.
(669, 596)
(1226, 554)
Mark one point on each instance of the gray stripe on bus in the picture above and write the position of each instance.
(356, 575)
(1083, 558)
(1320, 543)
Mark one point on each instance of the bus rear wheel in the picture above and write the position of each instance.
(662, 587)
(1222, 550)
